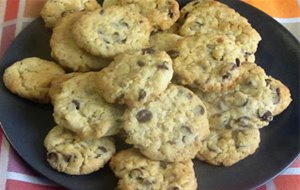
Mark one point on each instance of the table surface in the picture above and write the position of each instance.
(17, 14)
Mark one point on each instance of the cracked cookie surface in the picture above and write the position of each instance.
(136, 77)
(69, 154)
(162, 14)
(210, 62)
(80, 108)
(54, 10)
(208, 16)
(138, 172)
(168, 128)
(252, 103)
(30, 78)
(68, 53)
(228, 146)
(108, 32)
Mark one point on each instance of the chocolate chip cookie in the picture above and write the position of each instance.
(69, 154)
(79, 107)
(136, 77)
(54, 10)
(168, 128)
(138, 172)
(66, 51)
(108, 32)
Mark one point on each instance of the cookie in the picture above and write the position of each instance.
(209, 62)
(66, 51)
(69, 154)
(164, 41)
(168, 128)
(136, 77)
(161, 13)
(138, 172)
(228, 146)
(111, 31)
(208, 16)
(30, 78)
(54, 10)
(282, 97)
(81, 109)
(55, 86)
(252, 103)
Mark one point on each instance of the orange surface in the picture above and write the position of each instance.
(277, 8)
(33, 8)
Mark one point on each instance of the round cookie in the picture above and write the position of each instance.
(164, 41)
(228, 146)
(111, 31)
(30, 78)
(69, 154)
(136, 77)
(208, 16)
(81, 109)
(138, 172)
(210, 62)
(161, 13)
(168, 128)
(250, 104)
(54, 10)
(66, 50)
(55, 86)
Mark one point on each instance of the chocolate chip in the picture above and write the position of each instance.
(226, 76)
(199, 110)
(276, 100)
(77, 104)
(268, 81)
(144, 116)
(67, 158)
(186, 15)
(186, 129)
(245, 103)
(267, 116)
(141, 63)
(163, 164)
(199, 24)
(189, 95)
(102, 149)
(52, 157)
(148, 51)
(106, 41)
(142, 94)
(173, 53)
(120, 98)
(124, 40)
(243, 121)
(136, 173)
(174, 188)
(102, 12)
(171, 14)
(124, 24)
(162, 66)
(237, 62)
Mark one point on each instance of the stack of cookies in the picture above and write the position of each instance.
(174, 84)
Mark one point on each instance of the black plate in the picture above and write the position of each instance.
(26, 123)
